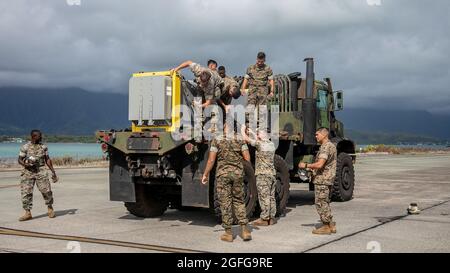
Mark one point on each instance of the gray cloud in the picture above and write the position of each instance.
(391, 56)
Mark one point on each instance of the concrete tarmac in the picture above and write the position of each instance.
(374, 221)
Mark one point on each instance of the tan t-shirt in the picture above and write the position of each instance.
(327, 174)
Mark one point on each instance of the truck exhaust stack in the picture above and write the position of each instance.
(309, 106)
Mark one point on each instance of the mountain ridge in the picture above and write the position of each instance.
(75, 111)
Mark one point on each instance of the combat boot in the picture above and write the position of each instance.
(323, 230)
(227, 236)
(27, 216)
(260, 222)
(333, 227)
(272, 221)
(51, 212)
(246, 233)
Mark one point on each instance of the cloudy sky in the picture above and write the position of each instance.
(395, 55)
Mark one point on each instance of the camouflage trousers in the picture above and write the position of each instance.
(322, 201)
(257, 117)
(266, 195)
(230, 191)
(27, 181)
(258, 95)
(214, 121)
(257, 107)
(200, 119)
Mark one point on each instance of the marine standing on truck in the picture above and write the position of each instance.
(210, 83)
(258, 77)
(230, 153)
(33, 156)
(265, 176)
(324, 173)
(230, 90)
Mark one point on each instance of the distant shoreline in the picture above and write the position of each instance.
(51, 139)
(403, 149)
(68, 162)
(59, 162)
(89, 139)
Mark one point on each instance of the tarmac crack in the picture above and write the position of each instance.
(9, 186)
(9, 250)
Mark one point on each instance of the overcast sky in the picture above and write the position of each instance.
(392, 55)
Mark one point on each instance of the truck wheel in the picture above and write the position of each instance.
(251, 193)
(148, 204)
(282, 185)
(345, 179)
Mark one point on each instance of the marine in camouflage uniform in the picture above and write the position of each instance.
(230, 87)
(211, 90)
(229, 182)
(323, 179)
(258, 76)
(265, 180)
(34, 156)
(230, 90)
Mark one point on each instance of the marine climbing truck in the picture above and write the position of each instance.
(157, 163)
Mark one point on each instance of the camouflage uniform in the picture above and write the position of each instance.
(229, 84)
(230, 179)
(211, 92)
(213, 89)
(37, 174)
(323, 180)
(258, 92)
(265, 177)
(225, 97)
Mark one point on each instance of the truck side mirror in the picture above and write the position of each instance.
(339, 101)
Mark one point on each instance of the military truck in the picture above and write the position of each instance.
(157, 163)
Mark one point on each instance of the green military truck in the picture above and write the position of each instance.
(157, 163)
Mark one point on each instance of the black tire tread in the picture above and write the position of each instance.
(337, 195)
(283, 171)
(147, 205)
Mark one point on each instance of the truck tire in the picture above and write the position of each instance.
(282, 185)
(251, 193)
(344, 182)
(148, 203)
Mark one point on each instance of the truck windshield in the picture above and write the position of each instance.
(322, 100)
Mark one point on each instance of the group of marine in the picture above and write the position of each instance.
(229, 152)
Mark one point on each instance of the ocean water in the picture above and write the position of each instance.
(75, 150)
